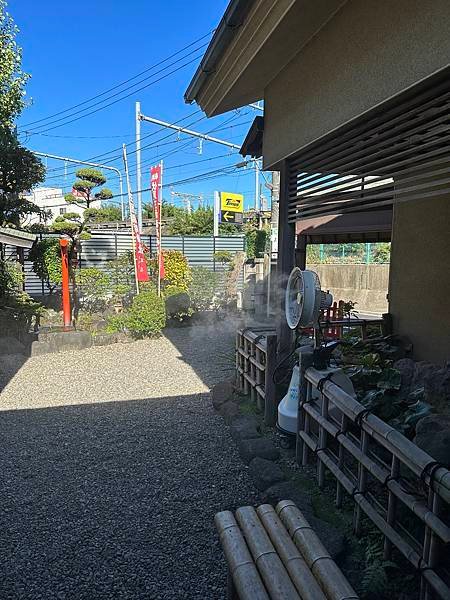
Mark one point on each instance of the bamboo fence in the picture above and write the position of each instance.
(255, 362)
(400, 488)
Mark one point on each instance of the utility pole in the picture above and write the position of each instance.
(138, 165)
(90, 164)
(202, 136)
(187, 199)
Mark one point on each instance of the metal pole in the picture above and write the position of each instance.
(257, 198)
(138, 165)
(216, 214)
(202, 136)
(130, 202)
(90, 164)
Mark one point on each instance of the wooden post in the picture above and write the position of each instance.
(270, 403)
(285, 262)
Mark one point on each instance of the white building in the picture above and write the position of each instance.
(52, 199)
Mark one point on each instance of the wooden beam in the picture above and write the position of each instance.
(285, 262)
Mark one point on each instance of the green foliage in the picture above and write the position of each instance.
(198, 222)
(20, 170)
(382, 253)
(94, 288)
(104, 194)
(167, 210)
(12, 78)
(121, 275)
(223, 256)
(108, 214)
(204, 288)
(177, 270)
(145, 318)
(11, 278)
(256, 242)
(93, 177)
(46, 258)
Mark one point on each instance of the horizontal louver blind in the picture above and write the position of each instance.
(397, 152)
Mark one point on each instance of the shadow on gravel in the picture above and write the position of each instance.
(208, 347)
(10, 364)
(116, 500)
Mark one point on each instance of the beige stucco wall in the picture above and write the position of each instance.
(419, 287)
(369, 51)
(365, 284)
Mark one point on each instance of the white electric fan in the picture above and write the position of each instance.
(303, 302)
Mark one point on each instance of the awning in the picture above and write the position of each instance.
(397, 152)
(17, 237)
(372, 226)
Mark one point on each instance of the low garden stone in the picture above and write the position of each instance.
(228, 410)
(286, 490)
(222, 392)
(104, 339)
(244, 427)
(250, 449)
(437, 388)
(433, 437)
(265, 473)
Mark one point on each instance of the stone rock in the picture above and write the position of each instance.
(437, 387)
(177, 303)
(244, 427)
(250, 449)
(265, 473)
(406, 366)
(222, 392)
(124, 338)
(286, 490)
(432, 424)
(11, 345)
(433, 437)
(228, 410)
(423, 371)
(104, 339)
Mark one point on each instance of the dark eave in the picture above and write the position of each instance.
(234, 17)
(253, 143)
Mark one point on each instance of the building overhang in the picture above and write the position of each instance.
(254, 40)
(17, 237)
(373, 226)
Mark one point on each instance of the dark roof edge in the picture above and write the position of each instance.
(233, 18)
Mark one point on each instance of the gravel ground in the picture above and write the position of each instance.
(112, 466)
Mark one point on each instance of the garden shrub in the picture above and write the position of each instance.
(94, 288)
(255, 242)
(177, 270)
(46, 258)
(204, 288)
(178, 303)
(146, 316)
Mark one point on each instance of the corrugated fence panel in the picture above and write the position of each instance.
(104, 246)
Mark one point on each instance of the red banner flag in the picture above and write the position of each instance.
(156, 176)
(141, 264)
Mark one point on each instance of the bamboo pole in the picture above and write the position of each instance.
(392, 440)
(295, 565)
(275, 577)
(243, 571)
(323, 567)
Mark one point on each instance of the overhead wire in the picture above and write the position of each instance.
(123, 82)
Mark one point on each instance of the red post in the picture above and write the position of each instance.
(65, 282)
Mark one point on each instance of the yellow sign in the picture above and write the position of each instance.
(231, 202)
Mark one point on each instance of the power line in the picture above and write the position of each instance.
(30, 132)
(122, 83)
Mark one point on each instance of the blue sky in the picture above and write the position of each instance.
(75, 51)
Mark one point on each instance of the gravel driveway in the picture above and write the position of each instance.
(112, 466)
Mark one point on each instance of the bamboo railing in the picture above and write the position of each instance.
(399, 487)
(255, 362)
